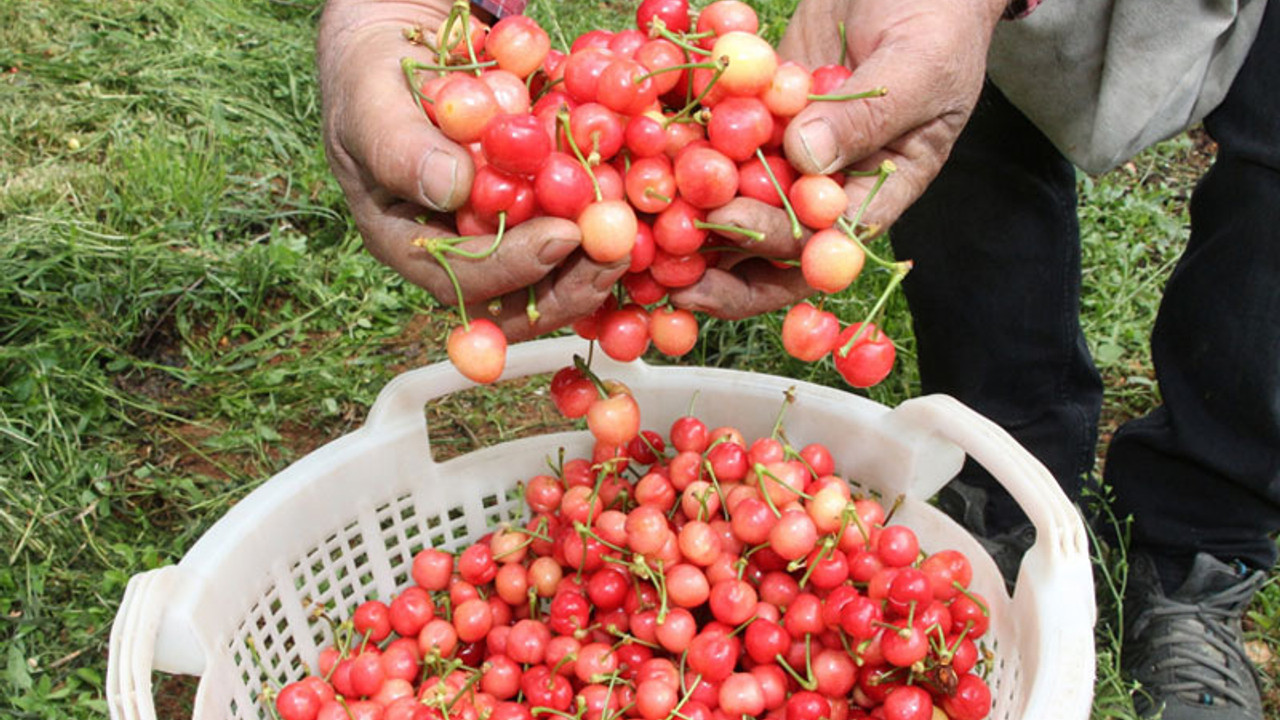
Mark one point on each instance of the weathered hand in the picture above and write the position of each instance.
(401, 176)
(930, 59)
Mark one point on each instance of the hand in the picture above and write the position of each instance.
(395, 168)
(930, 58)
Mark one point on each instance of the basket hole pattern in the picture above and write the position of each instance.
(263, 651)
(337, 575)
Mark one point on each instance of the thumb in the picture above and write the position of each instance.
(831, 134)
(381, 128)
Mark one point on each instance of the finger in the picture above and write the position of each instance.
(778, 241)
(928, 64)
(917, 158)
(380, 132)
(574, 290)
(526, 254)
(750, 288)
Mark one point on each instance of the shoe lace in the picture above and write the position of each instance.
(1201, 653)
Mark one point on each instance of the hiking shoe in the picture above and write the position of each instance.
(966, 504)
(1186, 647)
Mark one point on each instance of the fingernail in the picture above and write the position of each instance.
(439, 178)
(818, 139)
(555, 250)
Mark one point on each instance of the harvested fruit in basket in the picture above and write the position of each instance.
(694, 573)
(636, 136)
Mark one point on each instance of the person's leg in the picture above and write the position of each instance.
(1202, 472)
(1200, 475)
(995, 293)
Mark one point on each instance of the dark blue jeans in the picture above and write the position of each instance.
(995, 298)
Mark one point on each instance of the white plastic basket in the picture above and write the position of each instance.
(342, 524)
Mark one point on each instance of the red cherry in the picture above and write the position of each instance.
(479, 352)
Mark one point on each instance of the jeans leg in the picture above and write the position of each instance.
(995, 295)
(1202, 472)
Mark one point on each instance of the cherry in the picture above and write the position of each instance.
(908, 702)
(706, 177)
(519, 44)
(808, 333)
(870, 358)
(674, 14)
(752, 61)
(739, 126)
(479, 351)
(754, 181)
(831, 261)
(298, 701)
(464, 104)
(674, 331)
(609, 229)
(818, 200)
(517, 144)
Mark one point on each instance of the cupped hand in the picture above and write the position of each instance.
(930, 59)
(402, 177)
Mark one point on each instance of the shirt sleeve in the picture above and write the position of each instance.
(502, 8)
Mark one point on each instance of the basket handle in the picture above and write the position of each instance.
(1026, 478)
(402, 399)
(1055, 579)
(131, 654)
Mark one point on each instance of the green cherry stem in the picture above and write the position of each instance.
(796, 230)
(865, 94)
(886, 169)
(753, 235)
(411, 64)
(900, 271)
(671, 68)
(563, 117)
(721, 64)
(844, 42)
(450, 245)
(531, 307)
(589, 374)
(658, 28)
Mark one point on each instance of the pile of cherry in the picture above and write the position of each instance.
(696, 575)
(636, 135)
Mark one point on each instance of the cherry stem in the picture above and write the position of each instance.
(754, 235)
(900, 271)
(406, 66)
(669, 68)
(650, 192)
(721, 64)
(587, 372)
(715, 482)
(584, 532)
(827, 546)
(765, 472)
(865, 94)
(450, 245)
(465, 5)
(531, 307)
(468, 685)
(796, 230)
(967, 593)
(563, 117)
(788, 397)
(410, 64)
(885, 169)
(457, 286)
(658, 28)
(852, 234)
(844, 42)
(893, 509)
(688, 693)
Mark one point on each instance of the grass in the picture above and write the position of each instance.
(185, 307)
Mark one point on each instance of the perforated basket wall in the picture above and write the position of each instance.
(343, 524)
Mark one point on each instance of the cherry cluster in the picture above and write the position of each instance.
(637, 135)
(696, 575)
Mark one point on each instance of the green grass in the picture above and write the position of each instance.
(185, 307)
